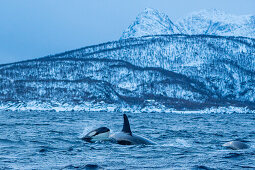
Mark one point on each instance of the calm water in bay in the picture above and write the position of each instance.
(52, 140)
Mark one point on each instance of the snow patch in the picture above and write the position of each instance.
(156, 108)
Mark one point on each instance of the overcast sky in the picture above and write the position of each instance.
(36, 28)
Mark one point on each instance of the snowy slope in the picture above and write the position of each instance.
(148, 73)
(150, 22)
(216, 22)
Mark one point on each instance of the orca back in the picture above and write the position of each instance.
(126, 137)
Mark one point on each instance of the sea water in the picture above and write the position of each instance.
(52, 140)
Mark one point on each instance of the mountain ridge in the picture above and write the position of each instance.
(209, 22)
(209, 70)
(152, 72)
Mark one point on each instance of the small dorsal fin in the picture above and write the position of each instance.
(126, 126)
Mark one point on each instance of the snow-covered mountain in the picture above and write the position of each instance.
(209, 22)
(150, 22)
(157, 73)
(153, 67)
(216, 22)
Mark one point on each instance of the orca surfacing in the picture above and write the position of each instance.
(125, 137)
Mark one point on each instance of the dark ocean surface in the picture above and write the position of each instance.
(52, 140)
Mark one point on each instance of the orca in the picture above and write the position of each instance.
(236, 145)
(125, 137)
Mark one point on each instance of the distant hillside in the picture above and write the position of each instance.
(155, 73)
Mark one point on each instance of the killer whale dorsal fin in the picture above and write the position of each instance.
(126, 126)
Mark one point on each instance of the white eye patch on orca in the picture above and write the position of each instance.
(91, 133)
(101, 133)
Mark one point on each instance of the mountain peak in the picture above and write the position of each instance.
(219, 16)
(150, 22)
(150, 10)
(217, 22)
(206, 21)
